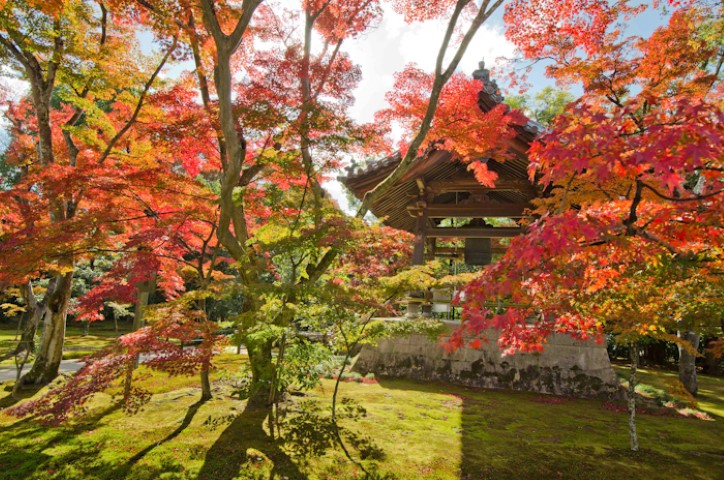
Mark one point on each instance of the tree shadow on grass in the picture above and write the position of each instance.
(507, 434)
(125, 469)
(25, 443)
(234, 449)
(8, 400)
(27, 451)
(246, 450)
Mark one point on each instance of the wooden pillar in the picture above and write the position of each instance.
(427, 306)
(418, 256)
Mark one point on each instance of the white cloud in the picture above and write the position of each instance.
(338, 192)
(13, 88)
(394, 44)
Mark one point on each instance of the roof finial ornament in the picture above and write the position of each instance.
(489, 86)
(482, 73)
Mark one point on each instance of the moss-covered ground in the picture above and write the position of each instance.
(408, 430)
(78, 343)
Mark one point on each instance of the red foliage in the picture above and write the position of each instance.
(634, 170)
(159, 348)
(459, 125)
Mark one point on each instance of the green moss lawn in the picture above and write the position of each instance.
(407, 430)
(77, 343)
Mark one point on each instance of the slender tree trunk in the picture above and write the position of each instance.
(128, 381)
(142, 296)
(19, 328)
(274, 389)
(634, 356)
(27, 338)
(50, 353)
(687, 362)
(204, 374)
(205, 384)
(144, 292)
(32, 317)
(19, 365)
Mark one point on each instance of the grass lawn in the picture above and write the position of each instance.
(412, 430)
(76, 345)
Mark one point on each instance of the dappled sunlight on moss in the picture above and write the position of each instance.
(407, 430)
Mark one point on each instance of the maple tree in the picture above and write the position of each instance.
(287, 145)
(93, 174)
(631, 227)
(459, 126)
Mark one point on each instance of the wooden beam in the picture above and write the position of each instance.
(447, 210)
(460, 251)
(473, 232)
(464, 184)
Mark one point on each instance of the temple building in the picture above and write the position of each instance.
(438, 190)
(438, 199)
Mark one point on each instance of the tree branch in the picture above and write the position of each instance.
(139, 104)
(675, 199)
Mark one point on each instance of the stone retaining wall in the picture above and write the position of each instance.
(565, 367)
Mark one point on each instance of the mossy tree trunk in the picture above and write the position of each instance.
(262, 371)
(634, 357)
(50, 353)
(205, 383)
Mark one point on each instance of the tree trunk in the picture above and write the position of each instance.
(128, 382)
(204, 374)
(27, 339)
(205, 384)
(262, 368)
(687, 362)
(274, 390)
(144, 292)
(142, 296)
(633, 436)
(47, 362)
(32, 317)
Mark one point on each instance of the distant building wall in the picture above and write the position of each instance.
(565, 367)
